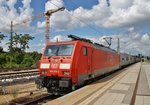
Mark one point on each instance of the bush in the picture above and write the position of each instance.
(28, 62)
(2, 60)
(17, 59)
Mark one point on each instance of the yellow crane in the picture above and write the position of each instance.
(47, 15)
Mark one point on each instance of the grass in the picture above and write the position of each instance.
(14, 92)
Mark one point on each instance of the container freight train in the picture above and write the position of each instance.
(67, 65)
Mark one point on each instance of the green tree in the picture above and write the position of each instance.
(21, 42)
(24, 41)
(16, 40)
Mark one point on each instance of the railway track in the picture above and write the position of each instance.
(17, 77)
(16, 69)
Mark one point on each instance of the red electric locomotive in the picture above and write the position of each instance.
(66, 65)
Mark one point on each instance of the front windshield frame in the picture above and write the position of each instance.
(56, 50)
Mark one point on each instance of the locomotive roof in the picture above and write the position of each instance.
(96, 45)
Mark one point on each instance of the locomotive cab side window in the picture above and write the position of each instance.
(85, 51)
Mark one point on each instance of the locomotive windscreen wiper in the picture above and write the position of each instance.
(49, 57)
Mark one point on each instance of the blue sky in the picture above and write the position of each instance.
(39, 7)
(70, 6)
(128, 19)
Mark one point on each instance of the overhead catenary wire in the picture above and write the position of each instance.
(87, 12)
(80, 20)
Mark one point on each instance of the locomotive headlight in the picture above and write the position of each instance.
(44, 65)
(44, 72)
(64, 66)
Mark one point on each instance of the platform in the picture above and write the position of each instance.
(128, 86)
(143, 91)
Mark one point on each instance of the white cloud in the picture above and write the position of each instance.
(135, 43)
(53, 4)
(145, 38)
(121, 13)
(80, 17)
(41, 24)
(60, 38)
(128, 43)
(3, 45)
(121, 3)
(34, 47)
(9, 13)
(131, 29)
(130, 14)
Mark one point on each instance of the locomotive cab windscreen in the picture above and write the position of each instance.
(59, 50)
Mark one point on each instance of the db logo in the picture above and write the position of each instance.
(56, 60)
(54, 65)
